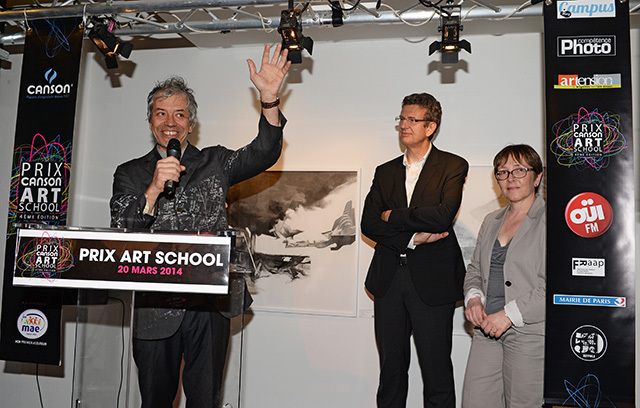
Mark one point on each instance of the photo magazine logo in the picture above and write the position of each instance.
(587, 46)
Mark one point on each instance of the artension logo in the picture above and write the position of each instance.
(588, 215)
(596, 81)
(587, 46)
(586, 9)
(32, 324)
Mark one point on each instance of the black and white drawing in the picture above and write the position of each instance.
(301, 229)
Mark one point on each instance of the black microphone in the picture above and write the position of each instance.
(173, 150)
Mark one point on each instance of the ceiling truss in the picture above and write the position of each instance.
(185, 16)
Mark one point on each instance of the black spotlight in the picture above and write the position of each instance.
(102, 36)
(451, 43)
(291, 30)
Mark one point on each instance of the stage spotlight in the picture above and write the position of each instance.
(291, 30)
(451, 43)
(102, 36)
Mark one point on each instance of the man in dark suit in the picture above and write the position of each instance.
(417, 270)
(170, 327)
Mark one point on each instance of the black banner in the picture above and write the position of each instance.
(112, 259)
(30, 328)
(590, 332)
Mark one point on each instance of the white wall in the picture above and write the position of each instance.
(340, 105)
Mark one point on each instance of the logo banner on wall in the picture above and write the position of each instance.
(30, 327)
(112, 259)
(590, 327)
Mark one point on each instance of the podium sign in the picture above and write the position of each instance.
(113, 259)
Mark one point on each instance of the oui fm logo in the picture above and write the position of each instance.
(588, 215)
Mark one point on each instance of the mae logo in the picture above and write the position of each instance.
(587, 46)
(585, 9)
(588, 215)
(50, 89)
(32, 324)
(588, 343)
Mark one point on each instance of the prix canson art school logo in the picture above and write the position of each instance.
(32, 324)
(49, 89)
(585, 9)
(588, 215)
(588, 139)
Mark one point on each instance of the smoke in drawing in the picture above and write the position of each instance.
(291, 218)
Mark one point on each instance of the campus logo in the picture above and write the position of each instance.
(588, 300)
(49, 89)
(588, 215)
(595, 81)
(587, 46)
(32, 324)
(588, 267)
(585, 9)
(588, 343)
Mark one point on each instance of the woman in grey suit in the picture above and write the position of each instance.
(505, 291)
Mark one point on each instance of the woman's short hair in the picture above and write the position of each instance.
(173, 85)
(523, 154)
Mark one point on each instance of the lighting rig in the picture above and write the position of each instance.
(101, 33)
(450, 44)
(291, 30)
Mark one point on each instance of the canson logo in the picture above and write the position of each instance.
(588, 343)
(32, 324)
(587, 46)
(586, 9)
(588, 215)
(49, 89)
(596, 81)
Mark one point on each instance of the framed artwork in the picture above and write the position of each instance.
(301, 230)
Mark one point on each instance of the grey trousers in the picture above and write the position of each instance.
(505, 372)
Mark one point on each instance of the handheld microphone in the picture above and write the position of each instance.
(173, 150)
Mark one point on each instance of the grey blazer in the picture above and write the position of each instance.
(524, 267)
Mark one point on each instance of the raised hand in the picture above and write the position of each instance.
(271, 74)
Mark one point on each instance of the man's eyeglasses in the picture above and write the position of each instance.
(412, 121)
(520, 172)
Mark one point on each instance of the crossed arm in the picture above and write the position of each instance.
(395, 227)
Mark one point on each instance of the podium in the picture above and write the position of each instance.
(103, 268)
